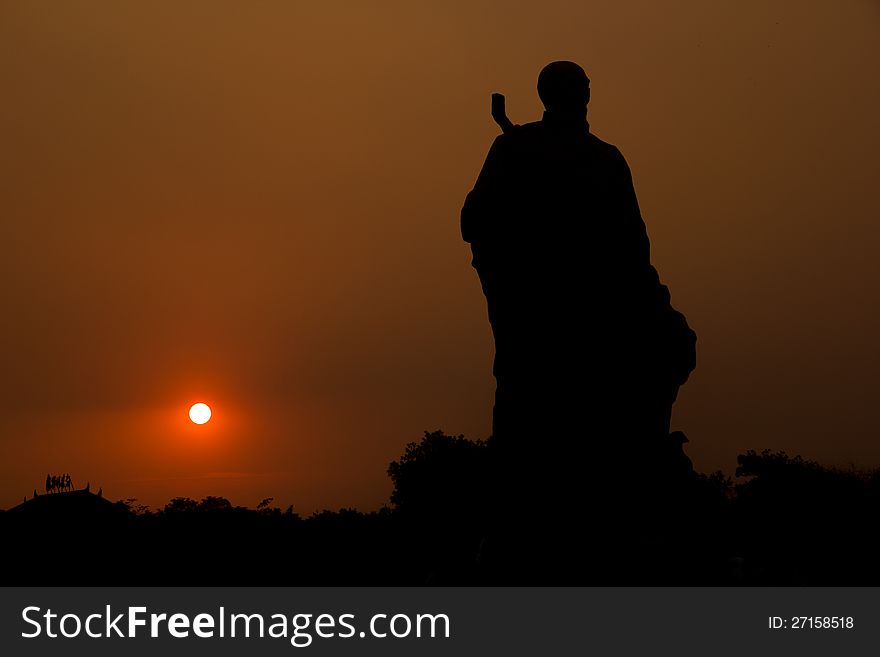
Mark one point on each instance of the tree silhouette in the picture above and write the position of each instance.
(181, 505)
(440, 498)
(440, 478)
(212, 504)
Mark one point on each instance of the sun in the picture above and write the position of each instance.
(200, 413)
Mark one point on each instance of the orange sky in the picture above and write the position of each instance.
(256, 205)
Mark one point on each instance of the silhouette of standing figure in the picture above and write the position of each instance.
(589, 354)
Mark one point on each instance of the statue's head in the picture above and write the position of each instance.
(564, 87)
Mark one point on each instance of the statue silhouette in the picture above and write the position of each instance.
(589, 353)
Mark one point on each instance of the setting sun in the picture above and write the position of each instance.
(200, 413)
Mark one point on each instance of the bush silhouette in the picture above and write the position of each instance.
(799, 522)
(441, 479)
(439, 502)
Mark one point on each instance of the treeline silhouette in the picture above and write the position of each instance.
(786, 521)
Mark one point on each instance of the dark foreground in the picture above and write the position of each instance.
(785, 522)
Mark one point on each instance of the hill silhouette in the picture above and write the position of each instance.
(787, 521)
(78, 503)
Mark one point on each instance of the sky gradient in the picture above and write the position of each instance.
(256, 205)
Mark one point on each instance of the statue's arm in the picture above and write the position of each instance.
(483, 206)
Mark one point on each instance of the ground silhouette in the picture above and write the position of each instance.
(787, 521)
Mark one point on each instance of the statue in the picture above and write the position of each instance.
(589, 353)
